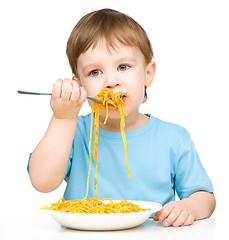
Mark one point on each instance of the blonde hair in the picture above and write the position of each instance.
(113, 26)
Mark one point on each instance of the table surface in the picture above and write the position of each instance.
(43, 227)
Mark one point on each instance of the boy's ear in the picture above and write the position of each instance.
(74, 78)
(150, 72)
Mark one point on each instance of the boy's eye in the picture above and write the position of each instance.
(95, 73)
(123, 67)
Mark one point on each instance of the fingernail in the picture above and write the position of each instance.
(175, 224)
(161, 218)
(166, 223)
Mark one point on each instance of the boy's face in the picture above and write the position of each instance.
(122, 69)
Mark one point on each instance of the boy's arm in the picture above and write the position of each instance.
(198, 205)
(49, 159)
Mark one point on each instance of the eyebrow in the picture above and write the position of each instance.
(90, 66)
(127, 59)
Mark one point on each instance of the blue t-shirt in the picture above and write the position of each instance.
(162, 159)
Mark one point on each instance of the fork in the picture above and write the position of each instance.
(94, 99)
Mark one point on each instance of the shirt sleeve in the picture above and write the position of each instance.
(190, 174)
(28, 162)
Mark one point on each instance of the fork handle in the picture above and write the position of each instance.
(33, 93)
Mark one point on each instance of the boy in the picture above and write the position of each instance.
(108, 49)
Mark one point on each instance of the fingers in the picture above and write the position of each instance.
(75, 91)
(180, 219)
(174, 214)
(78, 93)
(163, 213)
(56, 90)
(67, 98)
(68, 90)
(157, 215)
(188, 221)
(83, 95)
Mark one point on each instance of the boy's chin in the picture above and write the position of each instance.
(113, 113)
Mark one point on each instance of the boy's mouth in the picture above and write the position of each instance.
(124, 99)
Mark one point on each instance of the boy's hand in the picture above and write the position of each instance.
(67, 99)
(174, 213)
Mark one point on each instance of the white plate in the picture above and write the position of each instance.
(110, 221)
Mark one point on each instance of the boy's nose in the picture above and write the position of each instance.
(112, 81)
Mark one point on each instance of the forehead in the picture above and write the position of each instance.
(111, 44)
(102, 48)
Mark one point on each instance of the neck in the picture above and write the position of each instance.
(132, 121)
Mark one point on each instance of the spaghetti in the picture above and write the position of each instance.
(93, 205)
(109, 99)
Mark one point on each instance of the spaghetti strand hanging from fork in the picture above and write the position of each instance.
(109, 99)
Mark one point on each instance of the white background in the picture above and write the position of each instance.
(190, 41)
